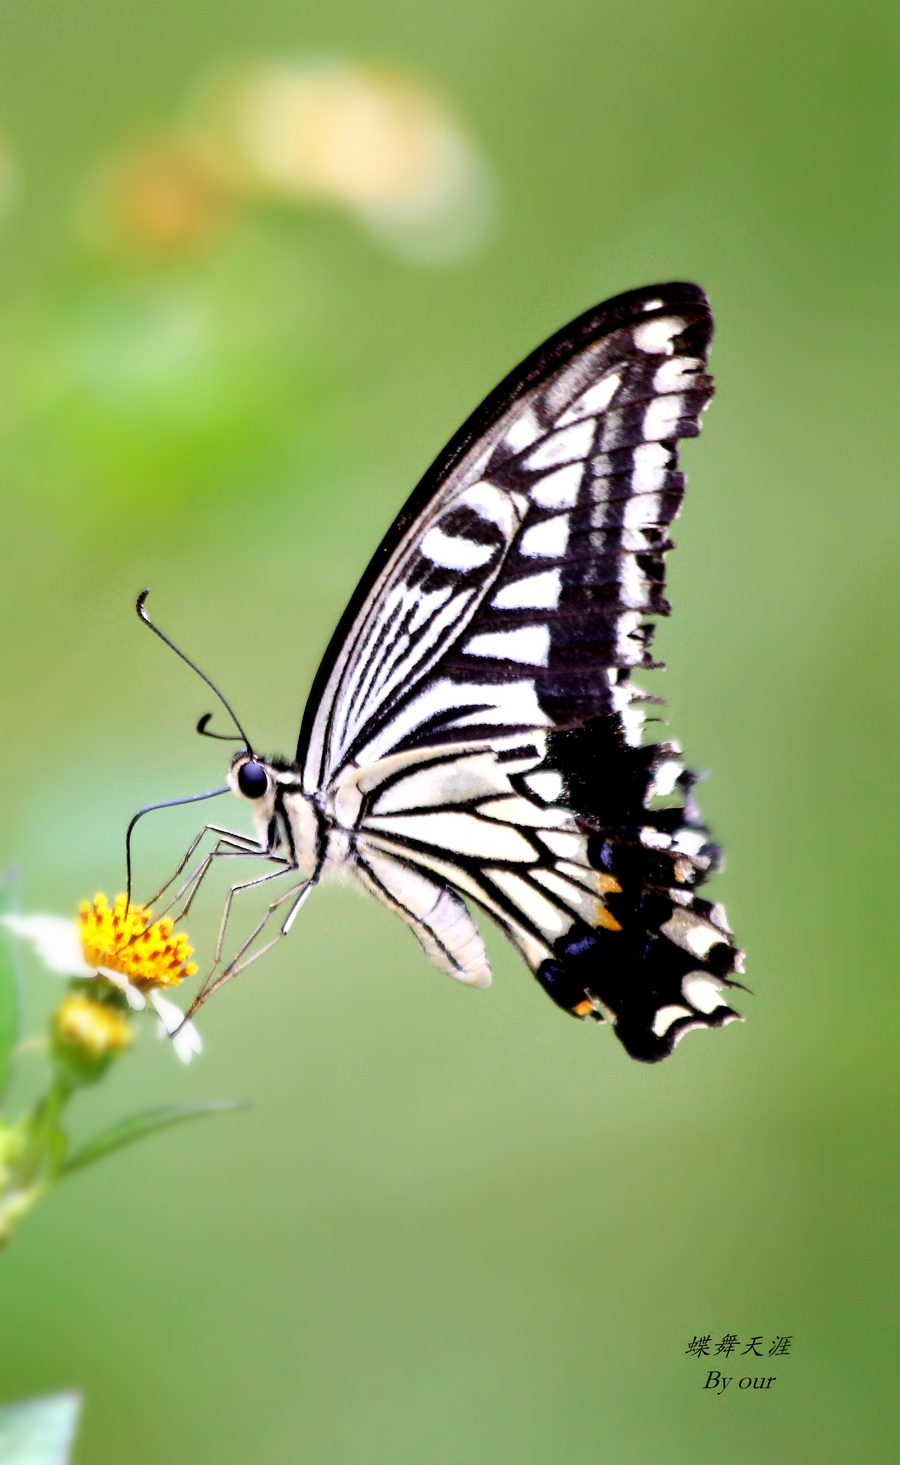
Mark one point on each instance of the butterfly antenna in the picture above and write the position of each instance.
(201, 726)
(220, 737)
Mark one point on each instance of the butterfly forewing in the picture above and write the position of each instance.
(480, 679)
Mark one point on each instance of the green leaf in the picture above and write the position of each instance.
(139, 1126)
(9, 979)
(40, 1431)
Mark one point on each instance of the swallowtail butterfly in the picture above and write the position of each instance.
(473, 736)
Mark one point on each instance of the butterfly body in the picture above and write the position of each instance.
(473, 734)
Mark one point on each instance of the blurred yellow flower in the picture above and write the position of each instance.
(122, 939)
(93, 1030)
(158, 199)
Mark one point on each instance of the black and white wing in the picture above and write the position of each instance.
(473, 725)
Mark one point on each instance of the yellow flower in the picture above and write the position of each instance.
(126, 939)
(160, 199)
(94, 1030)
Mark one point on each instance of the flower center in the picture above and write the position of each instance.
(126, 939)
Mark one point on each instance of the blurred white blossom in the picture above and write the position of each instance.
(54, 940)
(375, 142)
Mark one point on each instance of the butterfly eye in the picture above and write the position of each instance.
(252, 780)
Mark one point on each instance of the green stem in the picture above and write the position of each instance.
(45, 1141)
(38, 1163)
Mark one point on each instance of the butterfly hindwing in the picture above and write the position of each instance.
(474, 724)
(559, 841)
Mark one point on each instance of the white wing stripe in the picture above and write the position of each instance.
(546, 916)
(662, 417)
(547, 785)
(633, 584)
(642, 511)
(537, 592)
(565, 846)
(595, 400)
(524, 813)
(533, 948)
(655, 336)
(651, 462)
(455, 552)
(582, 902)
(528, 644)
(665, 1017)
(461, 833)
(490, 503)
(453, 781)
(384, 658)
(436, 916)
(702, 991)
(385, 677)
(523, 432)
(678, 374)
(513, 704)
(547, 540)
(563, 447)
(559, 490)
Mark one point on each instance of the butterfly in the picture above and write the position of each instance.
(473, 737)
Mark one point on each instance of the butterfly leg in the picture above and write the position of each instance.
(298, 892)
(191, 885)
(224, 849)
(229, 900)
(247, 841)
(187, 891)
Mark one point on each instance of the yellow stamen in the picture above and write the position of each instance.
(127, 940)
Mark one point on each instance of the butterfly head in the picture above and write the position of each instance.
(258, 782)
(251, 778)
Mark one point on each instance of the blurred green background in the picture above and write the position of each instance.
(457, 1227)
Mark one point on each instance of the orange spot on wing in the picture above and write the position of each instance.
(607, 919)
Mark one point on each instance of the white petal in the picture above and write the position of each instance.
(133, 996)
(170, 1016)
(54, 940)
(187, 1040)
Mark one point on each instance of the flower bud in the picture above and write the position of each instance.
(87, 1035)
